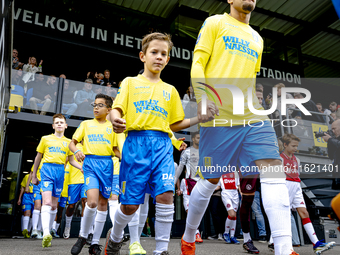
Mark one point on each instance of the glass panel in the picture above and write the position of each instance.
(9, 183)
(292, 54)
(34, 92)
(78, 96)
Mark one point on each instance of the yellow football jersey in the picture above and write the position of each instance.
(116, 165)
(75, 176)
(147, 105)
(24, 181)
(99, 139)
(54, 149)
(234, 57)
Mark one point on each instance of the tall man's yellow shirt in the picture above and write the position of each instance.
(54, 149)
(75, 176)
(232, 51)
(99, 139)
(24, 181)
(147, 105)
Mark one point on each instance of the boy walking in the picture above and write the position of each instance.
(53, 152)
(291, 165)
(152, 108)
(99, 145)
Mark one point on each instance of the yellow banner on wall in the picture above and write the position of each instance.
(319, 128)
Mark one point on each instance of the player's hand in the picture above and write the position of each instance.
(41, 61)
(179, 192)
(80, 156)
(183, 145)
(19, 202)
(212, 110)
(119, 125)
(81, 170)
(27, 190)
(35, 180)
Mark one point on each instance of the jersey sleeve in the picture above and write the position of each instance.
(207, 35)
(114, 142)
(184, 158)
(122, 98)
(120, 141)
(259, 59)
(24, 181)
(80, 132)
(175, 142)
(41, 146)
(176, 111)
(69, 152)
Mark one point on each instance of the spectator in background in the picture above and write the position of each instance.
(30, 69)
(93, 76)
(107, 81)
(68, 100)
(260, 97)
(334, 107)
(98, 90)
(111, 92)
(17, 78)
(325, 111)
(279, 86)
(62, 76)
(259, 88)
(38, 81)
(333, 115)
(311, 107)
(16, 64)
(84, 98)
(43, 95)
(99, 79)
(190, 95)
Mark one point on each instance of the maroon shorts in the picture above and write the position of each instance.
(191, 184)
(248, 185)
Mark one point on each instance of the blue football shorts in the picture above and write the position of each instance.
(27, 203)
(225, 149)
(76, 192)
(98, 171)
(147, 161)
(62, 201)
(37, 192)
(52, 178)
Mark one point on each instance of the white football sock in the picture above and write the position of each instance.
(133, 227)
(53, 213)
(246, 237)
(113, 205)
(307, 224)
(45, 219)
(39, 223)
(164, 219)
(197, 232)
(87, 221)
(98, 226)
(68, 221)
(271, 239)
(53, 225)
(57, 226)
(25, 222)
(121, 220)
(276, 204)
(232, 225)
(199, 200)
(143, 214)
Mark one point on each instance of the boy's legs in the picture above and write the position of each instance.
(256, 207)
(100, 219)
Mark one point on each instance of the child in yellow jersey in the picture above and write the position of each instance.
(99, 145)
(151, 110)
(27, 204)
(53, 152)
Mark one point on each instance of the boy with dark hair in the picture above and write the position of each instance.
(291, 166)
(147, 153)
(53, 152)
(99, 145)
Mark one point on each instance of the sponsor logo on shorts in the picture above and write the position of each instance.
(58, 190)
(108, 189)
(167, 177)
(207, 161)
(123, 187)
(87, 180)
(248, 187)
(46, 184)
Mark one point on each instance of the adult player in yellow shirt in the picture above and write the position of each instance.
(53, 152)
(99, 145)
(151, 109)
(228, 52)
(26, 200)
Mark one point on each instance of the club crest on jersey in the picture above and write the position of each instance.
(108, 130)
(207, 161)
(166, 95)
(65, 144)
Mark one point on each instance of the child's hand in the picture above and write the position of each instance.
(35, 180)
(179, 192)
(183, 145)
(80, 156)
(119, 125)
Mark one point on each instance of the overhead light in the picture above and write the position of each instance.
(25, 172)
(9, 178)
(29, 160)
